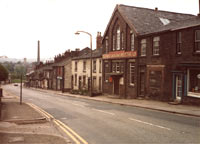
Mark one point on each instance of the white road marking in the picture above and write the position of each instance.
(78, 104)
(104, 111)
(149, 124)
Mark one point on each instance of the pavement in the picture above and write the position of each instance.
(182, 109)
(23, 124)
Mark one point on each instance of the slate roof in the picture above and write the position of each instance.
(147, 21)
(97, 53)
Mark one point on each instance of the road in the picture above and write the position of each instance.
(105, 123)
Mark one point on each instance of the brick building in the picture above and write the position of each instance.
(151, 53)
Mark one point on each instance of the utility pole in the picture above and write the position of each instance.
(21, 91)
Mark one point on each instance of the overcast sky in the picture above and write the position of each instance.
(54, 22)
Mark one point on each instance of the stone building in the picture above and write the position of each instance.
(151, 53)
(81, 69)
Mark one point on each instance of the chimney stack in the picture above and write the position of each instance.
(38, 56)
(98, 40)
(156, 9)
(199, 9)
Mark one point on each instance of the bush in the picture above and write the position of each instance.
(3, 73)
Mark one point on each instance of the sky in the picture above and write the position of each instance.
(54, 22)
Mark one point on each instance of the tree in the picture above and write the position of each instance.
(3, 73)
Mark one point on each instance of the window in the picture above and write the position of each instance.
(113, 43)
(178, 43)
(132, 72)
(143, 47)
(75, 79)
(84, 80)
(197, 41)
(106, 45)
(100, 66)
(76, 68)
(118, 39)
(156, 45)
(94, 66)
(117, 67)
(132, 42)
(84, 66)
(122, 37)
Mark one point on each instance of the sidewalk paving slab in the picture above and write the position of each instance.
(21, 124)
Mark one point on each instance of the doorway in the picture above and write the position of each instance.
(179, 88)
(142, 84)
(116, 85)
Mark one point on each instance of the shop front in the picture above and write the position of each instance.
(186, 83)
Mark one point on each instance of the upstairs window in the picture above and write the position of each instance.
(132, 42)
(76, 67)
(113, 43)
(178, 43)
(106, 45)
(143, 47)
(132, 74)
(94, 66)
(118, 39)
(84, 66)
(197, 41)
(156, 46)
(122, 37)
(100, 66)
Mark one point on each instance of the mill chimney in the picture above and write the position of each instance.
(98, 40)
(38, 54)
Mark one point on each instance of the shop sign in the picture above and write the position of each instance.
(198, 76)
(120, 54)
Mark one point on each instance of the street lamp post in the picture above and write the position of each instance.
(77, 33)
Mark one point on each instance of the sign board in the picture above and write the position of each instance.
(198, 76)
(120, 54)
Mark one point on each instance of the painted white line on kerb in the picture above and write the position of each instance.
(149, 124)
(104, 112)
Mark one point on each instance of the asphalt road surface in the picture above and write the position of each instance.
(105, 123)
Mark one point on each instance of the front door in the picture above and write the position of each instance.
(179, 88)
(142, 84)
(116, 86)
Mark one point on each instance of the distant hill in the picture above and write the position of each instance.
(14, 60)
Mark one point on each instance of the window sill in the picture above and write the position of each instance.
(155, 55)
(192, 94)
(196, 53)
(131, 85)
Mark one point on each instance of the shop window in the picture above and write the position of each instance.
(194, 81)
(197, 41)
(143, 47)
(178, 43)
(156, 46)
(132, 73)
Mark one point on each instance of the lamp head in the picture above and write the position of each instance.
(77, 33)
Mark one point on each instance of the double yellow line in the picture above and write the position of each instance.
(67, 130)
